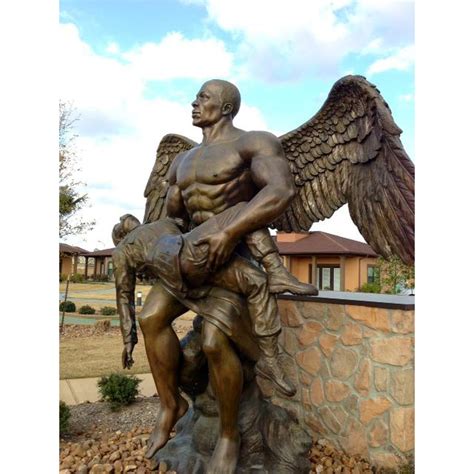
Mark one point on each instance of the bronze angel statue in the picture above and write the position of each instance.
(208, 209)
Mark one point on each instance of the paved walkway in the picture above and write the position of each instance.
(75, 391)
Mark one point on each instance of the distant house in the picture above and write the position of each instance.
(69, 258)
(102, 263)
(328, 261)
(94, 264)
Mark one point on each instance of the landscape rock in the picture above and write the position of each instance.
(336, 390)
(343, 363)
(352, 335)
(402, 428)
(402, 386)
(336, 314)
(309, 360)
(396, 350)
(381, 378)
(375, 318)
(327, 343)
(309, 333)
(371, 408)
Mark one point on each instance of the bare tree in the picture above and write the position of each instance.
(70, 200)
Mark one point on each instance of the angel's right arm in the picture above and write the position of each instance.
(174, 200)
(175, 204)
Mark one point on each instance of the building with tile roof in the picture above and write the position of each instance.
(329, 261)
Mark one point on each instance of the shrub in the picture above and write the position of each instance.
(108, 310)
(118, 390)
(64, 415)
(62, 277)
(86, 309)
(370, 288)
(76, 278)
(101, 278)
(67, 306)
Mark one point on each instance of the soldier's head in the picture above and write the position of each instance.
(125, 226)
(216, 99)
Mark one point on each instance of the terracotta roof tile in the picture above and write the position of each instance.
(100, 253)
(322, 243)
(71, 249)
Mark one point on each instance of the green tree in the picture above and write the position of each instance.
(70, 200)
(394, 275)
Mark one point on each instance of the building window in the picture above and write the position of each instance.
(329, 277)
(310, 273)
(373, 274)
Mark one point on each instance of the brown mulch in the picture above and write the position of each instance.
(103, 441)
(84, 330)
(181, 327)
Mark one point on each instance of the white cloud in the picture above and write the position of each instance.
(119, 130)
(401, 60)
(112, 48)
(178, 57)
(406, 97)
(282, 41)
(270, 20)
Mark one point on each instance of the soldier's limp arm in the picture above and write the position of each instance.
(125, 279)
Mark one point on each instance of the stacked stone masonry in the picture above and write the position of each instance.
(354, 369)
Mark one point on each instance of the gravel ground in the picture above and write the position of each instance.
(102, 441)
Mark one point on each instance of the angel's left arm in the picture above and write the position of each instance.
(271, 174)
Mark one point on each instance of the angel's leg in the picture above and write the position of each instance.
(225, 371)
(163, 350)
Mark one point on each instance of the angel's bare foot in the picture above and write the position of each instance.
(225, 456)
(167, 418)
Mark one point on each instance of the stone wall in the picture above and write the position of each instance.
(352, 361)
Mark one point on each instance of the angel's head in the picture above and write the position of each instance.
(216, 99)
(125, 226)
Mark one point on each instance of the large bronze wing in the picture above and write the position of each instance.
(350, 152)
(157, 185)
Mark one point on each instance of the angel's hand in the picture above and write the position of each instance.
(127, 359)
(220, 247)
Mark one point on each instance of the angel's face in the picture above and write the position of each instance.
(207, 107)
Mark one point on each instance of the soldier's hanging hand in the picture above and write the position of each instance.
(127, 359)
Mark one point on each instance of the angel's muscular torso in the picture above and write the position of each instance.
(247, 166)
(212, 178)
(236, 167)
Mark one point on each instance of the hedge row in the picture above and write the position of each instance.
(69, 307)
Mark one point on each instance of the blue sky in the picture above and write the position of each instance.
(132, 67)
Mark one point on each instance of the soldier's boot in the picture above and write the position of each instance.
(281, 280)
(268, 367)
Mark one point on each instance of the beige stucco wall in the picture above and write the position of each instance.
(66, 265)
(354, 369)
(355, 269)
(299, 267)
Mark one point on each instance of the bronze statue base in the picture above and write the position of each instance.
(272, 441)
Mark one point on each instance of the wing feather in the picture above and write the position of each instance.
(157, 186)
(350, 152)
